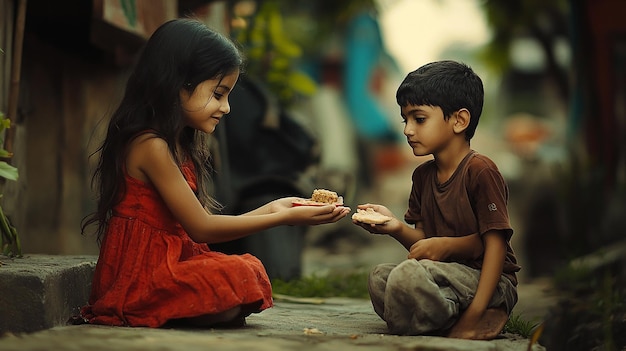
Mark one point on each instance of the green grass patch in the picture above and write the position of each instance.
(334, 284)
(517, 325)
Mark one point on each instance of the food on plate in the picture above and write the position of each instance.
(370, 216)
(321, 197)
(326, 196)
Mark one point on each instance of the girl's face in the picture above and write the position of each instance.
(208, 103)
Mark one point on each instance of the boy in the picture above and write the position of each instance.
(459, 279)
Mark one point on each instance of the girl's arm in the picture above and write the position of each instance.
(149, 159)
(272, 206)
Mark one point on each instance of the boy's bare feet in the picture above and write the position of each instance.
(491, 324)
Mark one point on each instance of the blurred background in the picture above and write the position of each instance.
(316, 109)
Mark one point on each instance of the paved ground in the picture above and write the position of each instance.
(293, 324)
(333, 324)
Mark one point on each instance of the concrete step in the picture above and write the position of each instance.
(42, 291)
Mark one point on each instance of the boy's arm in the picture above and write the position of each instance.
(493, 263)
(437, 248)
(420, 247)
(407, 235)
(403, 233)
(466, 247)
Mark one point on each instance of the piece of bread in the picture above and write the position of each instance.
(325, 196)
(321, 197)
(370, 216)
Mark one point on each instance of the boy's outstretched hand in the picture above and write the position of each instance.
(390, 227)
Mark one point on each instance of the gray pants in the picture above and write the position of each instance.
(427, 297)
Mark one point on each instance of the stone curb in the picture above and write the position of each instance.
(42, 291)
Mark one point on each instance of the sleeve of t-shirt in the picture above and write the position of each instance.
(490, 197)
(413, 213)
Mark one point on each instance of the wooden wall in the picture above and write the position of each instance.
(70, 84)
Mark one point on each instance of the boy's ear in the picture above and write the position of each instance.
(462, 120)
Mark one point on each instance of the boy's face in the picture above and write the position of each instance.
(426, 131)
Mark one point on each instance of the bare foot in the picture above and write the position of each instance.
(491, 324)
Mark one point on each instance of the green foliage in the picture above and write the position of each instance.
(609, 299)
(595, 304)
(592, 319)
(599, 286)
(313, 24)
(543, 20)
(609, 306)
(6, 170)
(573, 279)
(585, 205)
(337, 284)
(517, 325)
(283, 33)
(9, 240)
(272, 56)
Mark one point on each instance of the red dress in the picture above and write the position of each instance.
(150, 271)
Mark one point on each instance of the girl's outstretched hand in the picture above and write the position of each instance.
(308, 215)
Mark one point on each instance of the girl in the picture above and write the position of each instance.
(154, 217)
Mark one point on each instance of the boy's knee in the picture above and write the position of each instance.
(377, 279)
(381, 272)
(407, 269)
(377, 285)
(383, 269)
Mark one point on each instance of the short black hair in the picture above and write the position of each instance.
(447, 84)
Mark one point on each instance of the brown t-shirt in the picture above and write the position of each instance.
(472, 201)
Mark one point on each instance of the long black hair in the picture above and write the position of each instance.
(180, 54)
